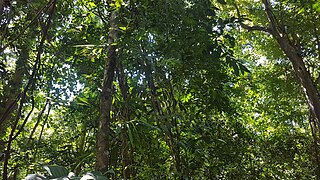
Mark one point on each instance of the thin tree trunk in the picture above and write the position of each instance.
(39, 119)
(35, 153)
(103, 144)
(125, 116)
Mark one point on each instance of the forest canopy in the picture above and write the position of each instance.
(160, 89)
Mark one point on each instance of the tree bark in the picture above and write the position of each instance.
(103, 144)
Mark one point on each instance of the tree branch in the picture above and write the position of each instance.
(255, 28)
(247, 27)
(275, 28)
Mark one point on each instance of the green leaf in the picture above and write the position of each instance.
(130, 134)
(123, 28)
(243, 68)
(222, 2)
(56, 171)
(111, 171)
(149, 125)
(231, 40)
(221, 140)
(91, 4)
(302, 10)
(83, 101)
(235, 68)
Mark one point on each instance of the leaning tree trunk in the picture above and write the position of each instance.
(292, 49)
(103, 145)
(291, 46)
(293, 52)
(304, 78)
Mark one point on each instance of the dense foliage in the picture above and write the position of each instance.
(159, 89)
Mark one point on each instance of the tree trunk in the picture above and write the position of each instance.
(102, 146)
(306, 81)
(8, 102)
(293, 52)
(125, 117)
(292, 49)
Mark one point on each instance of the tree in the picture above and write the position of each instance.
(146, 89)
(103, 154)
(297, 44)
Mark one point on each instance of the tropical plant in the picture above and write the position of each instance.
(61, 173)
